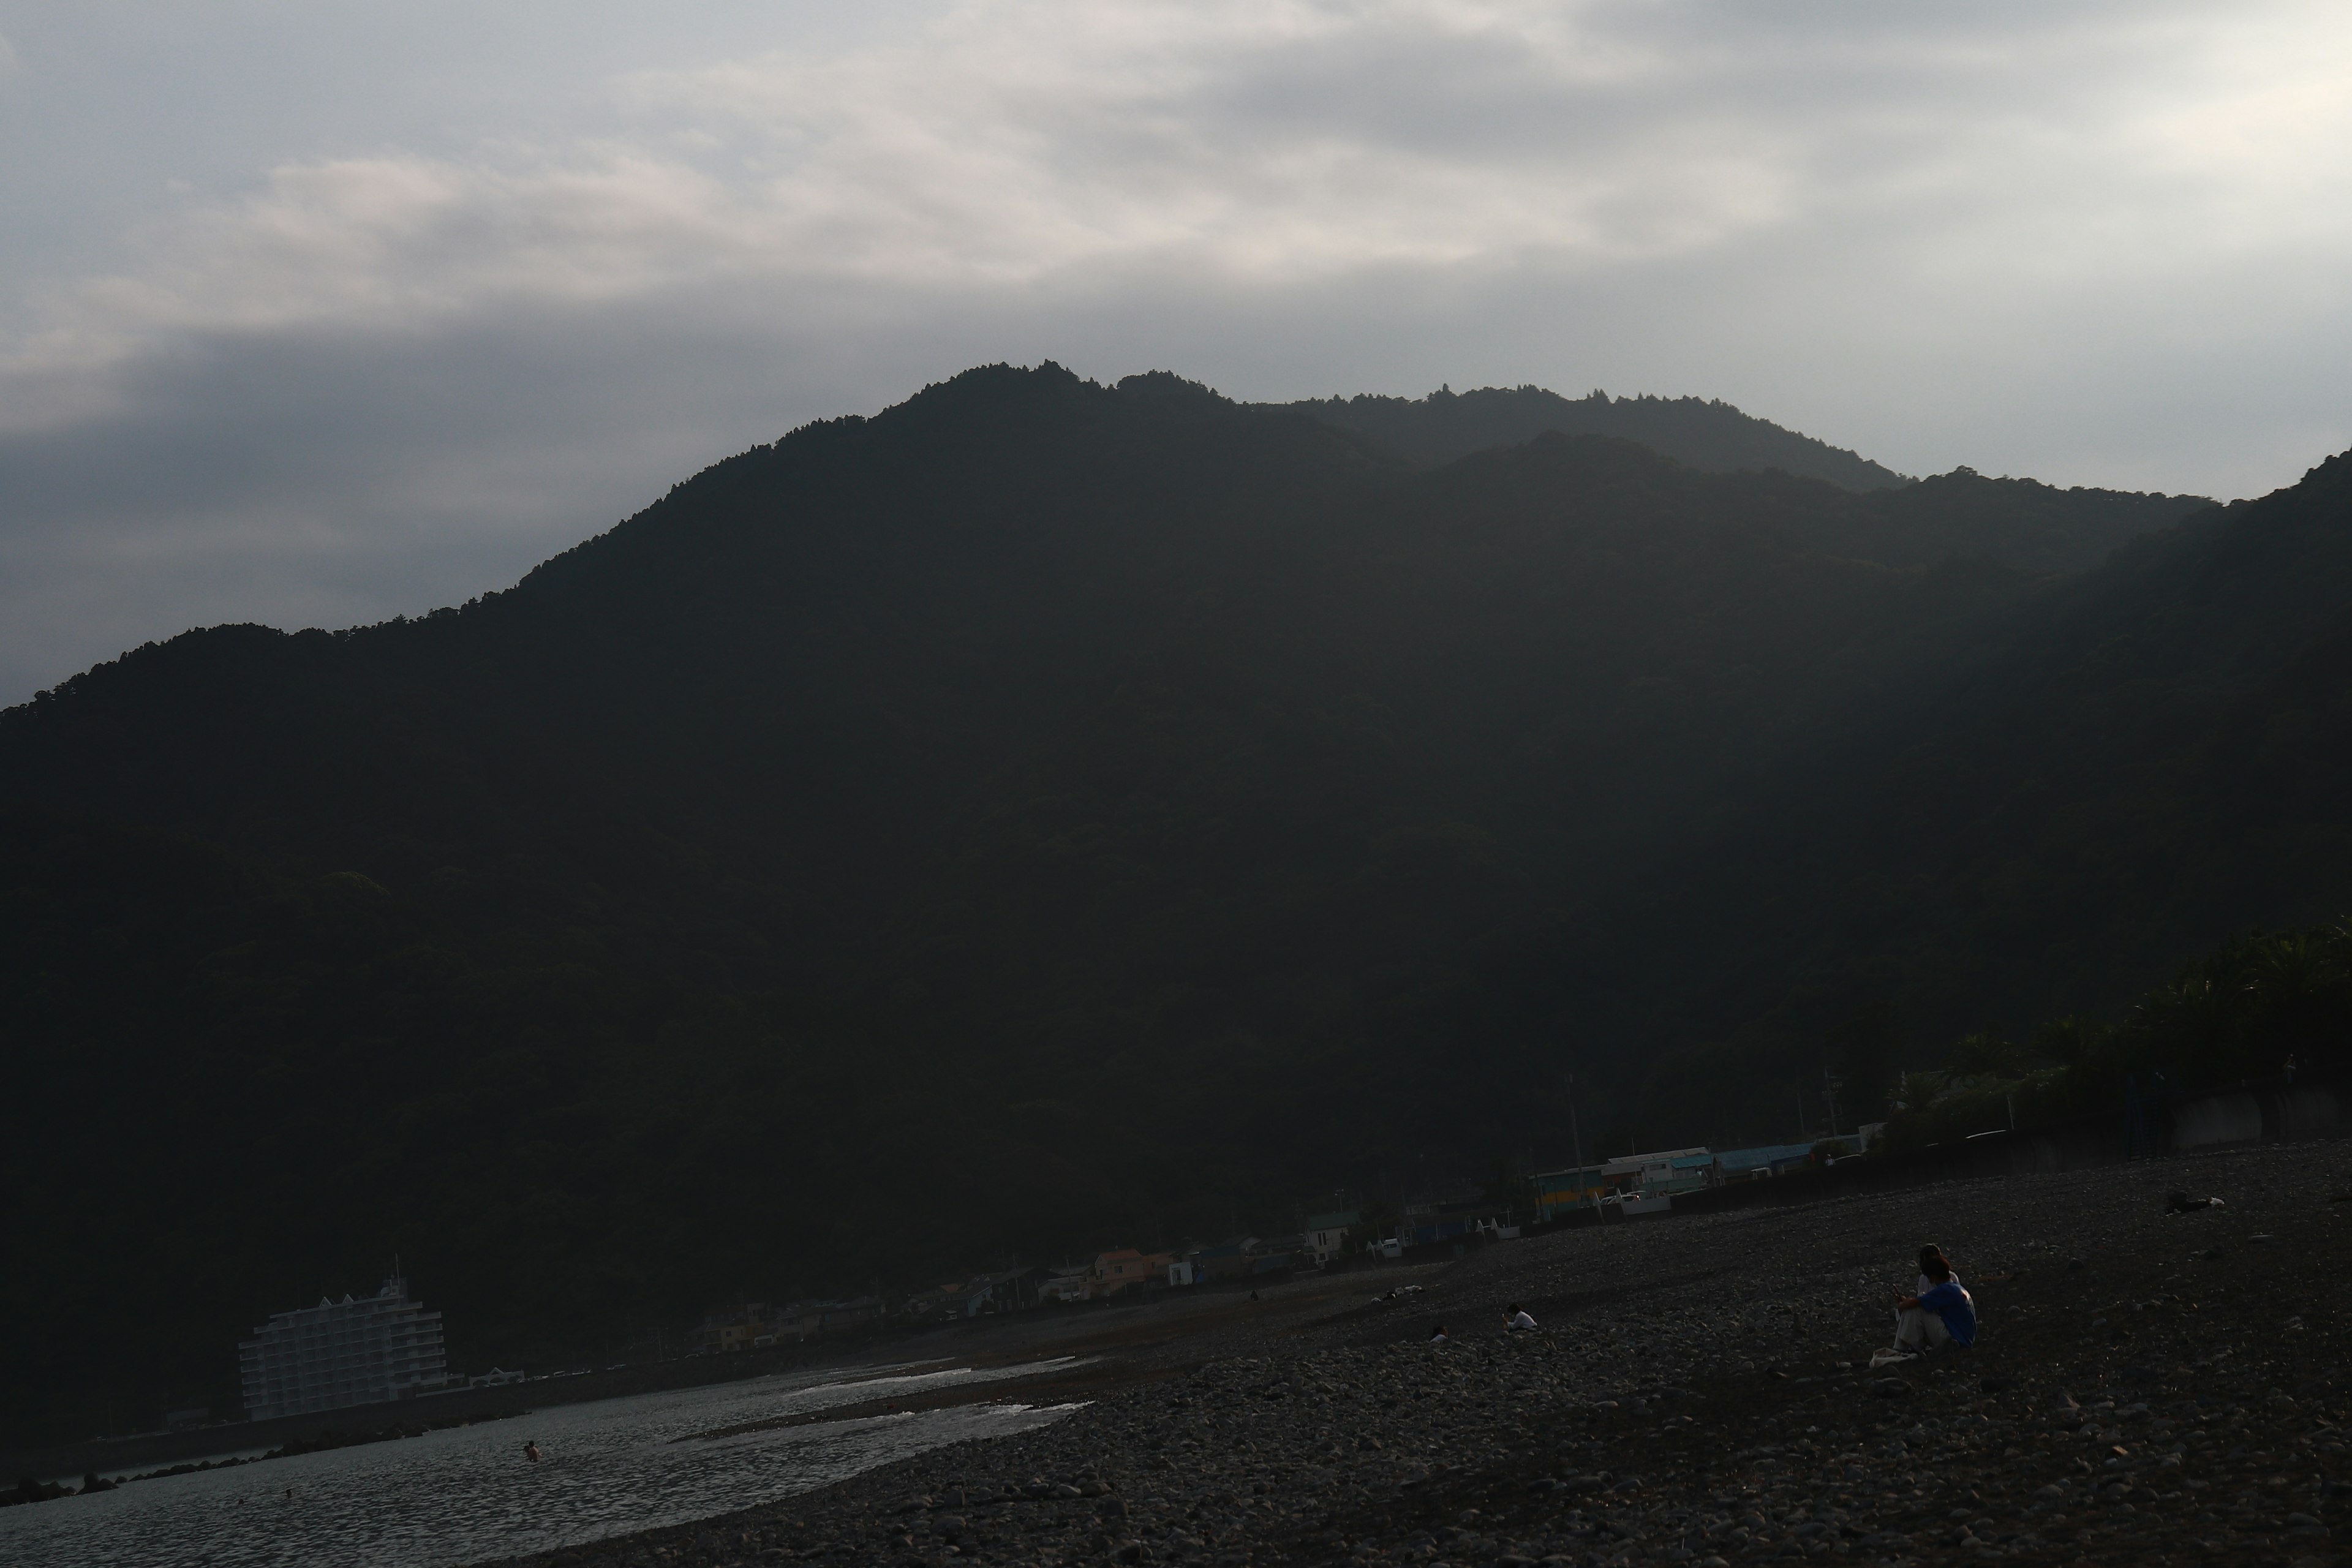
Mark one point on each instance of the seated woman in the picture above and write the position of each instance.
(1939, 1312)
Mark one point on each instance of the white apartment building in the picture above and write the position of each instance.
(342, 1352)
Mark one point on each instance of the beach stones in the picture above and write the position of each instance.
(1750, 1445)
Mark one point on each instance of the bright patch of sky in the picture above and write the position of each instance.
(311, 313)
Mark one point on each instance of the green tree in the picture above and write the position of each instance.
(1987, 1053)
(1866, 1051)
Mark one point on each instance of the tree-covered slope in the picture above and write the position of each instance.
(2154, 758)
(2018, 522)
(1041, 814)
(1701, 433)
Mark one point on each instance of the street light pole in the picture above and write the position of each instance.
(1577, 1137)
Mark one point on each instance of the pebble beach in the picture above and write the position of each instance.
(2149, 1388)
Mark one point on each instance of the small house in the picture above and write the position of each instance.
(1326, 1234)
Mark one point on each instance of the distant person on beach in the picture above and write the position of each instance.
(1515, 1321)
(1440, 1337)
(1939, 1312)
(530, 1452)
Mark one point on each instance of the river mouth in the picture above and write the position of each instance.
(1065, 1381)
(610, 1467)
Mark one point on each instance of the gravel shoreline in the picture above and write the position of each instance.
(2150, 1388)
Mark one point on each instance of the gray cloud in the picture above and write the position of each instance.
(2098, 244)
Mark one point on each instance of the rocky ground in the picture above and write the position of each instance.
(2150, 1388)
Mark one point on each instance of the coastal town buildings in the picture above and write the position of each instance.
(1117, 1273)
(1648, 1183)
(983, 1295)
(758, 1325)
(339, 1353)
(1448, 1218)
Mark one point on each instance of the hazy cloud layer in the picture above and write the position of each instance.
(2095, 243)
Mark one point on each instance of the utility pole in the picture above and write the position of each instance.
(1829, 1092)
(1576, 1138)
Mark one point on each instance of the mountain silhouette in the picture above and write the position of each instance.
(1049, 814)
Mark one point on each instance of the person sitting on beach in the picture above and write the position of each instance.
(1938, 1314)
(1516, 1322)
(1441, 1337)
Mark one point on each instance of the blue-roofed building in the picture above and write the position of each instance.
(1768, 1160)
(1557, 1192)
(1686, 1174)
(1642, 1184)
(1661, 1175)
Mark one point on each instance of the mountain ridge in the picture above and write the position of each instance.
(1704, 432)
(887, 810)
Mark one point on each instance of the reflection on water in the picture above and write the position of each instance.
(465, 1494)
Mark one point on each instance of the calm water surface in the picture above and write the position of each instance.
(465, 1494)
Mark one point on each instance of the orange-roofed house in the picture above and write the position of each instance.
(1124, 1270)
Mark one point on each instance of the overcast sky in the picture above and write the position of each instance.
(315, 313)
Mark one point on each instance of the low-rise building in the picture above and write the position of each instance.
(1766, 1160)
(1115, 1273)
(729, 1329)
(1067, 1283)
(930, 1306)
(1007, 1290)
(835, 1316)
(1659, 1174)
(1246, 1258)
(741, 1336)
(1444, 1213)
(1558, 1192)
(1226, 1260)
(1327, 1233)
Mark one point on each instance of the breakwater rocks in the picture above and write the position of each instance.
(2151, 1386)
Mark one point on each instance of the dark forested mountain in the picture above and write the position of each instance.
(2157, 755)
(1047, 814)
(2030, 526)
(1699, 433)
(2022, 523)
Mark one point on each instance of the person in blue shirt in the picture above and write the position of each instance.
(1939, 1314)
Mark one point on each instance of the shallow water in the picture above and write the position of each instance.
(462, 1495)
